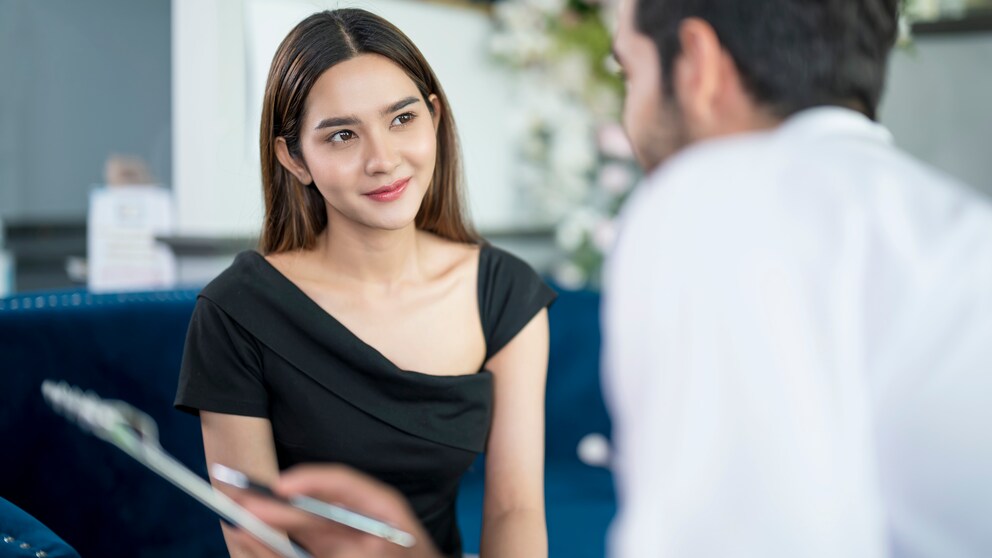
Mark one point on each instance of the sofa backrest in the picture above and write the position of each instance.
(97, 498)
(129, 347)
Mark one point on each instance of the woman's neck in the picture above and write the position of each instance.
(374, 258)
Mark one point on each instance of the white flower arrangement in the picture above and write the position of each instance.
(576, 165)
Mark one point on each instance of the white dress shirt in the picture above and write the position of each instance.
(799, 351)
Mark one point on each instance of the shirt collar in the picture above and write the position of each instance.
(830, 121)
(806, 125)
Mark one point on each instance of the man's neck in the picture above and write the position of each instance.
(743, 119)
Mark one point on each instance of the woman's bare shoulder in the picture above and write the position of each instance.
(295, 264)
(448, 256)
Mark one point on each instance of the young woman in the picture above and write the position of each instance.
(374, 328)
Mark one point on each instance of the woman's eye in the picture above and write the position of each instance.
(342, 136)
(404, 118)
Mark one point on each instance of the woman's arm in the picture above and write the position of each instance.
(513, 522)
(245, 444)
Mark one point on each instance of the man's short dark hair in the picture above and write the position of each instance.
(791, 54)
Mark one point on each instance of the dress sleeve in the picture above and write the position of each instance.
(221, 369)
(511, 293)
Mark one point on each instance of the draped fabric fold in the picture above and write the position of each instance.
(322, 348)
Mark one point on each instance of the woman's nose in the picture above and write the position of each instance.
(382, 157)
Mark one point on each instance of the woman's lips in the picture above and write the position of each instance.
(389, 192)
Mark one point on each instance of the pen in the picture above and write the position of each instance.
(316, 507)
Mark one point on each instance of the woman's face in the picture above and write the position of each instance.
(369, 143)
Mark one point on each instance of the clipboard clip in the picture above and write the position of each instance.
(114, 421)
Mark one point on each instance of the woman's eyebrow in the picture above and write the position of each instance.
(336, 121)
(402, 103)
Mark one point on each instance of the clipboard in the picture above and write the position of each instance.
(136, 434)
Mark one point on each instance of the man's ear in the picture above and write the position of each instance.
(292, 164)
(698, 74)
(435, 109)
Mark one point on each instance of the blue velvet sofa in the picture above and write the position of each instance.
(129, 347)
(23, 536)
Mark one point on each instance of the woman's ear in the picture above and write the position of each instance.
(290, 163)
(435, 109)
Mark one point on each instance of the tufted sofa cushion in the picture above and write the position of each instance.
(21, 535)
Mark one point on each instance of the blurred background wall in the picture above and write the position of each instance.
(175, 81)
(938, 103)
(79, 81)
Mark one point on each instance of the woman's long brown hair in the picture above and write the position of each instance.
(295, 214)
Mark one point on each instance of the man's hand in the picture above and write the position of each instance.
(325, 539)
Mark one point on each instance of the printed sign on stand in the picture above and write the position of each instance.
(122, 253)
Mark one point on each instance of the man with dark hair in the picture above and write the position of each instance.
(785, 56)
(790, 55)
(798, 317)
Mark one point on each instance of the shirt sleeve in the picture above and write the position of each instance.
(511, 294)
(221, 369)
(737, 386)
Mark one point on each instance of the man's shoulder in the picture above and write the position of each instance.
(761, 173)
(770, 194)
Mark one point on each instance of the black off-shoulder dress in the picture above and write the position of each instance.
(258, 346)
